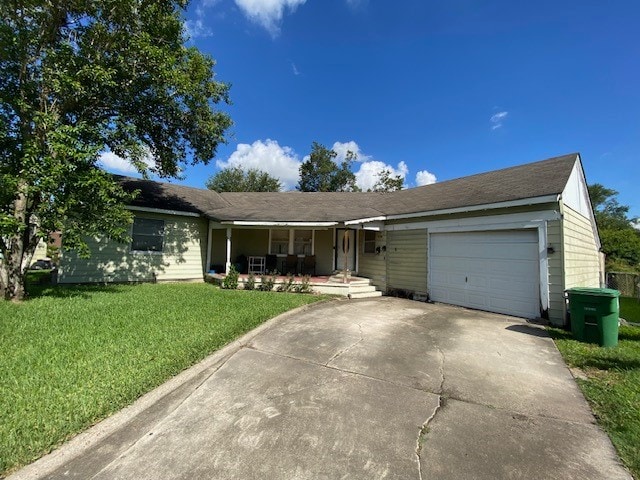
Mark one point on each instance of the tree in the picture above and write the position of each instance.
(80, 78)
(388, 183)
(235, 179)
(320, 173)
(620, 240)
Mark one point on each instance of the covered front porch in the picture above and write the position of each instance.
(319, 249)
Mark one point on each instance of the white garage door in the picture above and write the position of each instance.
(493, 271)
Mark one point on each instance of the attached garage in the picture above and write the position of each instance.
(497, 271)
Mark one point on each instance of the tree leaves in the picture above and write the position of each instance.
(82, 77)
(320, 173)
(235, 179)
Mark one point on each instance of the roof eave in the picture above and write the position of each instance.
(486, 206)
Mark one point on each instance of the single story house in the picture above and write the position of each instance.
(509, 241)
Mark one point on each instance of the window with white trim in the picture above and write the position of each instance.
(302, 242)
(369, 241)
(147, 235)
(279, 242)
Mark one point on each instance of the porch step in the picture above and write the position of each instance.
(369, 294)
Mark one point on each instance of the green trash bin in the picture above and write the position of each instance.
(594, 315)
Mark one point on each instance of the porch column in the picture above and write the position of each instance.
(291, 240)
(313, 242)
(227, 265)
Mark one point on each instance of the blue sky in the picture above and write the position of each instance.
(434, 89)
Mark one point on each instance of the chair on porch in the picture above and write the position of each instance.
(271, 263)
(291, 264)
(309, 264)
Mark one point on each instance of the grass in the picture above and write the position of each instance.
(612, 387)
(630, 309)
(70, 356)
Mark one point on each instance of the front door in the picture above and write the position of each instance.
(345, 249)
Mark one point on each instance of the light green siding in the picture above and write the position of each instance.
(581, 259)
(324, 251)
(556, 281)
(407, 260)
(182, 258)
(373, 265)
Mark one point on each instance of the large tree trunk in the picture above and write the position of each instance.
(19, 250)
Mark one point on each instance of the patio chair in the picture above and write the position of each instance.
(309, 264)
(271, 263)
(291, 264)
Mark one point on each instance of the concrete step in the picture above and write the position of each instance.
(361, 288)
(375, 293)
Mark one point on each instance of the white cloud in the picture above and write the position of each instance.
(295, 70)
(425, 177)
(497, 119)
(197, 27)
(112, 162)
(368, 174)
(268, 156)
(341, 148)
(268, 13)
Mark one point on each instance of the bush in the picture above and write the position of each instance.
(250, 284)
(267, 282)
(230, 282)
(287, 286)
(304, 286)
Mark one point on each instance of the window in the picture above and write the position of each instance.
(147, 235)
(369, 241)
(302, 242)
(279, 241)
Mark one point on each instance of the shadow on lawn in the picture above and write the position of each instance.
(70, 291)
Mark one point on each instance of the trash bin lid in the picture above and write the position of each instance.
(598, 292)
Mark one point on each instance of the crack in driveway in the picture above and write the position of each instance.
(425, 426)
(346, 349)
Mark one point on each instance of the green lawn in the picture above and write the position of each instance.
(612, 387)
(71, 356)
(630, 309)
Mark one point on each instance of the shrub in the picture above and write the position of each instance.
(288, 285)
(267, 282)
(304, 286)
(250, 284)
(230, 282)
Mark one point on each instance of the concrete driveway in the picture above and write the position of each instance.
(361, 389)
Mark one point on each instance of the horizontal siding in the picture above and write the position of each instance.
(324, 251)
(581, 260)
(556, 281)
(407, 260)
(183, 256)
(371, 265)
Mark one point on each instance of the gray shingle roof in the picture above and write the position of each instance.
(168, 196)
(539, 179)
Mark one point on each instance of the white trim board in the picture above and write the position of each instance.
(163, 211)
(249, 223)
